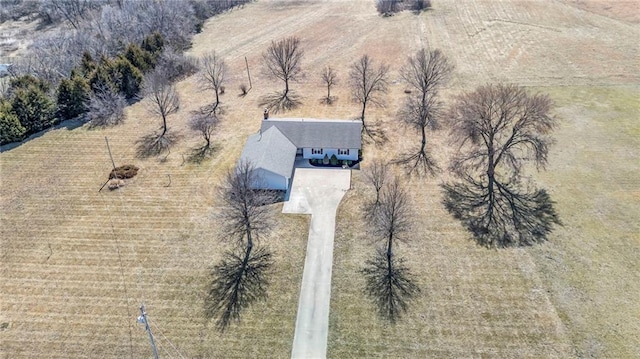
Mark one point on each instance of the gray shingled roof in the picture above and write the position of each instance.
(315, 133)
(271, 151)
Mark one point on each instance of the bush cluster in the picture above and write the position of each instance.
(93, 86)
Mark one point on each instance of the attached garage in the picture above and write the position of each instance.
(272, 156)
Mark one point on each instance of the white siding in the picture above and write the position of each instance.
(353, 154)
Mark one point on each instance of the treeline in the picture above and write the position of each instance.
(94, 64)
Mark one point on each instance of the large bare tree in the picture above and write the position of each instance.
(498, 129)
(283, 61)
(162, 100)
(239, 280)
(424, 73)
(213, 71)
(389, 282)
(368, 83)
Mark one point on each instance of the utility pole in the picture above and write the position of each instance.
(142, 319)
(248, 74)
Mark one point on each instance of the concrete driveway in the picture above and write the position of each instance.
(317, 192)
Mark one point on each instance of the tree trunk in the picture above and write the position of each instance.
(164, 124)
(424, 140)
(389, 253)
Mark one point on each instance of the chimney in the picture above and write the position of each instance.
(266, 113)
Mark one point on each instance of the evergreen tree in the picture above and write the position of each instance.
(127, 78)
(73, 97)
(142, 59)
(33, 108)
(154, 44)
(10, 128)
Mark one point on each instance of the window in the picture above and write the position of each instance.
(342, 151)
(316, 151)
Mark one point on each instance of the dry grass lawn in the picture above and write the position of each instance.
(76, 263)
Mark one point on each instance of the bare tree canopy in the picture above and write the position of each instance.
(204, 124)
(330, 79)
(283, 61)
(499, 128)
(162, 97)
(394, 216)
(377, 174)
(162, 100)
(106, 108)
(245, 215)
(368, 83)
(425, 73)
(213, 71)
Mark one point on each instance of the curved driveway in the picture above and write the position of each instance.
(317, 192)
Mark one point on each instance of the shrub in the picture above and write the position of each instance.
(334, 160)
(243, 89)
(124, 172)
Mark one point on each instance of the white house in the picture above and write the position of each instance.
(273, 150)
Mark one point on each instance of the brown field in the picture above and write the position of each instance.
(76, 263)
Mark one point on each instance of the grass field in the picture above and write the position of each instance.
(76, 263)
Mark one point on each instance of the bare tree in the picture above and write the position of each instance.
(239, 280)
(393, 217)
(377, 174)
(425, 73)
(499, 128)
(329, 78)
(204, 124)
(106, 108)
(72, 10)
(162, 100)
(213, 72)
(388, 280)
(283, 60)
(368, 84)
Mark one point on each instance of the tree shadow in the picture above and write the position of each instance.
(238, 281)
(211, 109)
(199, 154)
(329, 101)
(373, 134)
(508, 216)
(279, 102)
(418, 162)
(389, 284)
(155, 144)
